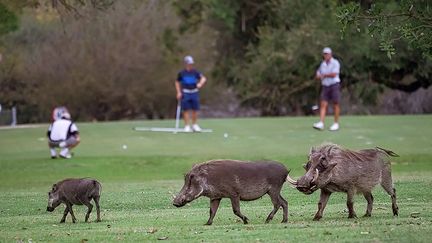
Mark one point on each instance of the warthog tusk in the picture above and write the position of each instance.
(316, 176)
(291, 181)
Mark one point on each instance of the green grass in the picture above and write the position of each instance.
(138, 182)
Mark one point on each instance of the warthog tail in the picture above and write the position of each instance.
(98, 185)
(389, 152)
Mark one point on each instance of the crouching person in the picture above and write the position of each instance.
(63, 134)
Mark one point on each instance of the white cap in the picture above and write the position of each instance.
(327, 50)
(66, 115)
(188, 60)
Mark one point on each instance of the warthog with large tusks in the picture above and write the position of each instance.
(236, 180)
(75, 192)
(334, 169)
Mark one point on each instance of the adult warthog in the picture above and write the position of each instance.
(335, 169)
(75, 192)
(236, 180)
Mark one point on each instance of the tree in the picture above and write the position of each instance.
(391, 22)
(8, 20)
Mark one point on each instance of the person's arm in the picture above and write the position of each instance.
(77, 137)
(178, 90)
(318, 75)
(202, 81)
(74, 131)
(49, 131)
(334, 71)
(329, 75)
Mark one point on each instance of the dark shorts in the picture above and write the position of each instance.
(331, 93)
(190, 101)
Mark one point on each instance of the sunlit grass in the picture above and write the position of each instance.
(138, 182)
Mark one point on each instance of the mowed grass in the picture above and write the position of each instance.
(138, 182)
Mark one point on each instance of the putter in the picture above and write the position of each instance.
(177, 117)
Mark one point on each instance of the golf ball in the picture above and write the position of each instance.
(225, 135)
(124, 146)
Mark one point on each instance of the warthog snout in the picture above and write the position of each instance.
(305, 184)
(177, 204)
(308, 190)
(50, 209)
(179, 201)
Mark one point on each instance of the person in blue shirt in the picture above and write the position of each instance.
(187, 85)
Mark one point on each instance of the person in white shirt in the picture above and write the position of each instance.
(328, 74)
(63, 134)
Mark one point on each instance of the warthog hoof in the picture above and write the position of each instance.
(366, 215)
(352, 216)
(396, 211)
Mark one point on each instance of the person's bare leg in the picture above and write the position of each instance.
(186, 117)
(336, 108)
(323, 110)
(194, 117)
(74, 145)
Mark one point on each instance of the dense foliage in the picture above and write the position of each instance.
(118, 59)
(281, 40)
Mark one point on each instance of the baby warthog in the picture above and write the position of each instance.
(75, 192)
(334, 169)
(236, 180)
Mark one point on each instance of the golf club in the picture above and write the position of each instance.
(177, 117)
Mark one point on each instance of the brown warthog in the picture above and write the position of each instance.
(335, 169)
(236, 180)
(75, 192)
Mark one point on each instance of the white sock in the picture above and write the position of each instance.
(53, 152)
(64, 152)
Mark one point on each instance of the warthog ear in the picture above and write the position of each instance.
(307, 165)
(312, 150)
(330, 166)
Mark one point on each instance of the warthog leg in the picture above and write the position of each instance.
(71, 212)
(369, 198)
(274, 196)
(278, 202)
(214, 205)
(324, 197)
(387, 184)
(350, 204)
(96, 200)
(285, 209)
(394, 205)
(66, 211)
(235, 203)
(89, 209)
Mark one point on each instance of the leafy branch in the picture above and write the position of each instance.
(410, 21)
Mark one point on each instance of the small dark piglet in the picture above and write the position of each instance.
(75, 192)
